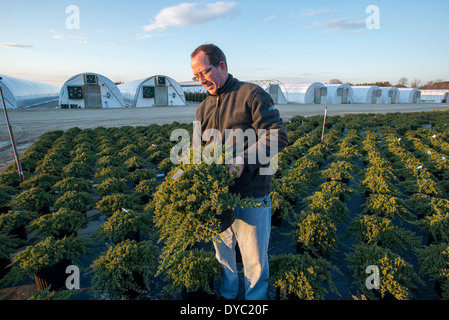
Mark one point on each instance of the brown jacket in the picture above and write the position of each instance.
(240, 105)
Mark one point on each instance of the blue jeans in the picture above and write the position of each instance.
(251, 229)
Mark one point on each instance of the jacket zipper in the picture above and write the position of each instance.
(217, 105)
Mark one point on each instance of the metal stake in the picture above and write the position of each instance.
(324, 123)
(11, 136)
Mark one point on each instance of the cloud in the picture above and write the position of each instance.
(186, 14)
(77, 39)
(15, 45)
(312, 12)
(270, 18)
(342, 24)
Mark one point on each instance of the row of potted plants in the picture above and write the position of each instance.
(306, 275)
(379, 242)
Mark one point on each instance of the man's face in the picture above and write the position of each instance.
(213, 79)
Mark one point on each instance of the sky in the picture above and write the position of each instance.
(354, 41)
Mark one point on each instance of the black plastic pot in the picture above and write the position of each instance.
(53, 276)
(199, 294)
(19, 232)
(4, 267)
(138, 278)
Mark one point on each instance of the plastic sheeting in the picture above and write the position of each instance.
(339, 93)
(367, 94)
(102, 93)
(390, 95)
(152, 91)
(434, 96)
(23, 93)
(307, 93)
(410, 95)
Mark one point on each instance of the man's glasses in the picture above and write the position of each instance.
(202, 75)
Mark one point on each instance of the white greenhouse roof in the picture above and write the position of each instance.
(23, 93)
(366, 94)
(131, 90)
(304, 92)
(410, 95)
(336, 92)
(116, 96)
(436, 96)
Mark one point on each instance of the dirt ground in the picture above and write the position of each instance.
(28, 124)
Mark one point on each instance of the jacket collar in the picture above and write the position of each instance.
(227, 86)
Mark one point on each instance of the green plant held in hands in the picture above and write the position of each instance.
(188, 210)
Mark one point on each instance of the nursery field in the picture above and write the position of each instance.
(360, 210)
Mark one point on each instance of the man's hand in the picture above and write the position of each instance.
(237, 164)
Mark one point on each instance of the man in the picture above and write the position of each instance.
(244, 108)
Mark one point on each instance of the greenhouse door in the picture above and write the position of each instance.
(161, 96)
(374, 97)
(317, 96)
(92, 97)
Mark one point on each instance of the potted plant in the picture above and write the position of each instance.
(110, 186)
(385, 205)
(328, 205)
(437, 225)
(375, 230)
(192, 274)
(145, 190)
(50, 295)
(397, 279)
(196, 207)
(48, 260)
(124, 224)
(114, 202)
(336, 188)
(44, 181)
(140, 175)
(15, 222)
(34, 199)
(72, 184)
(63, 222)
(314, 233)
(8, 245)
(6, 195)
(301, 276)
(433, 261)
(76, 201)
(340, 170)
(124, 270)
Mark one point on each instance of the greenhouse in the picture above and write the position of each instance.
(367, 94)
(435, 96)
(307, 93)
(390, 95)
(23, 93)
(410, 95)
(90, 90)
(156, 90)
(340, 93)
